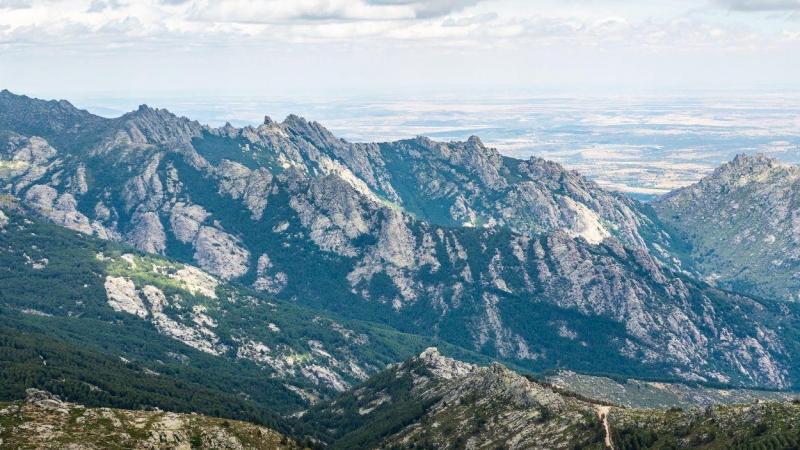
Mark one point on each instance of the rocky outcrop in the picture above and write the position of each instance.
(268, 280)
(443, 367)
(185, 221)
(252, 187)
(122, 296)
(147, 233)
(220, 253)
(200, 336)
(44, 421)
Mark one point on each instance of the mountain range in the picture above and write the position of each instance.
(281, 266)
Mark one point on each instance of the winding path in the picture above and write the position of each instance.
(602, 412)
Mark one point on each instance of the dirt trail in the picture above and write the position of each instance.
(602, 412)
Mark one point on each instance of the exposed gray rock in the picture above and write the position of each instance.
(45, 400)
(147, 233)
(250, 186)
(122, 296)
(442, 367)
(185, 221)
(199, 337)
(220, 253)
(267, 279)
(62, 210)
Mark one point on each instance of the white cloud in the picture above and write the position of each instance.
(761, 5)
(16, 4)
(429, 8)
(406, 42)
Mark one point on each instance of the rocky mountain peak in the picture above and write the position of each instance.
(296, 122)
(475, 141)
(740, 172)
(744, 165)
(144, 109)
(745, 168)
(159, 126)
(8, 98)
(443, 367)
(313, 132)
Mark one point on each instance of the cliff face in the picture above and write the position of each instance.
(522, 260)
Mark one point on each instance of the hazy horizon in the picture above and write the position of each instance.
(641, 145)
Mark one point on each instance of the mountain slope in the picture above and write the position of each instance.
(743, 224)
(520, 260)
(69, 301)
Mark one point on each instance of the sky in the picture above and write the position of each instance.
(334, 48)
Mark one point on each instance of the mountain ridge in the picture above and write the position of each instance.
(431, 401)
(519, 260)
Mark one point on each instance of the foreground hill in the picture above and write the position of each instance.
(435, 402)
(43, 421)
(743, 226)
(519, 260)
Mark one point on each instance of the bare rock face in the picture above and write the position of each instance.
(3, 219)
(185, 221)
(334, 213)
(25, 161)
(442, 367)
(122, 296)
(250, 186)
(148, 233)
(61, 209)
(267, 279)
(200, 337)
(145, 190)
(43, 399)
(220, 253)
(77, 183)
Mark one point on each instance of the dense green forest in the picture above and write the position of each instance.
(35, 360)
